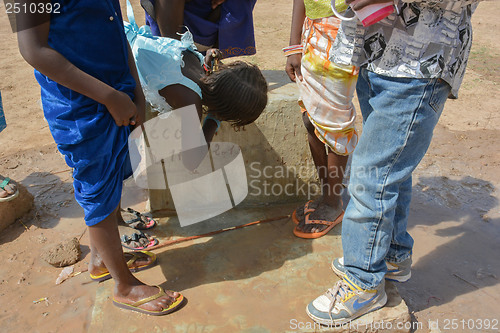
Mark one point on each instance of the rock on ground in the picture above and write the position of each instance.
(63, 254)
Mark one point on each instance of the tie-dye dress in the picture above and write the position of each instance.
(327, 90)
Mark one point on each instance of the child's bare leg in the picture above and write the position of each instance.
(97, 266)
(106, 247)
(320, 161)
(331, 173)
(318, 151)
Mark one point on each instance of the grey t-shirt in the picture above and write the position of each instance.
(427, 39)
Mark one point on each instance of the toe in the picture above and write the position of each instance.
(9, 189)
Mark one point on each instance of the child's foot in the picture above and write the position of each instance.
(319, 222)
(151, 300)
(301, 211)
(8, 189)
(345, 302)
(135, 261)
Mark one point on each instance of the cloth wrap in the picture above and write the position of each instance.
(90, 35)
(327, 88)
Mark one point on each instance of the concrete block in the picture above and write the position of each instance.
(278, 163)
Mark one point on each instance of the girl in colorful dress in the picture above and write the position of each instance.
(326, 93)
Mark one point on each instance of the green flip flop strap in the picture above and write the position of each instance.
(4, 183)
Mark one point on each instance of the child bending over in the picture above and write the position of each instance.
(326, 92)
(174, 74)
(91, 94)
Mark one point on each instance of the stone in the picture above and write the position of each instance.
(63, 254)
(275, 150)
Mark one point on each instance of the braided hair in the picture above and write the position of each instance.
(236, 93)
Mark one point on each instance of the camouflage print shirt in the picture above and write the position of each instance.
(427, 39)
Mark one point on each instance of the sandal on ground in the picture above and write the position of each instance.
(138, 241)
(130, 263)
(307, 210)
(312, 235)
(139, 221)
(135, 306)
(6, 182)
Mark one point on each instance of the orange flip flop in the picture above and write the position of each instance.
(307, 210)
(312, 235)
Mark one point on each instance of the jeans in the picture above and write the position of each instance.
(399, 116)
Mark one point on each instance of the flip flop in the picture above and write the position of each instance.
(141, 221)
(312, 235)
(9, 197)
(137, 237)
(107, 275)
(135, 306)
(307, 210)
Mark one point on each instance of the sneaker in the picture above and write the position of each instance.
(395, 272)
(345, 302)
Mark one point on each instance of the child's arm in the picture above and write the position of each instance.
(170, 17)
(33, 45)
(293, 61)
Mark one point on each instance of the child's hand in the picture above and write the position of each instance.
(211, 56)
(140, 105)
(122, 109)
(293, 67)
(216, 3)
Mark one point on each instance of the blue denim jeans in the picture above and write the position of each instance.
(399, 116)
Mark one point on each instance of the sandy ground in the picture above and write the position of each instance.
(455, 215)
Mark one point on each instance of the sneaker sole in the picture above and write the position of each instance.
(398, 278)
(330, 323)
(389, 277)
(337, 271)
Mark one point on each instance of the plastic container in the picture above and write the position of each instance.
(368, 15)
(373, 13)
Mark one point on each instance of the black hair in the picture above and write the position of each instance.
(236, 93)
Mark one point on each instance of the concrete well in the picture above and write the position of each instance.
(278, 163)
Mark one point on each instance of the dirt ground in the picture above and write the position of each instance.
(455, 215)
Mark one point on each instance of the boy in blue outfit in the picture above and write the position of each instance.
(90, 96)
